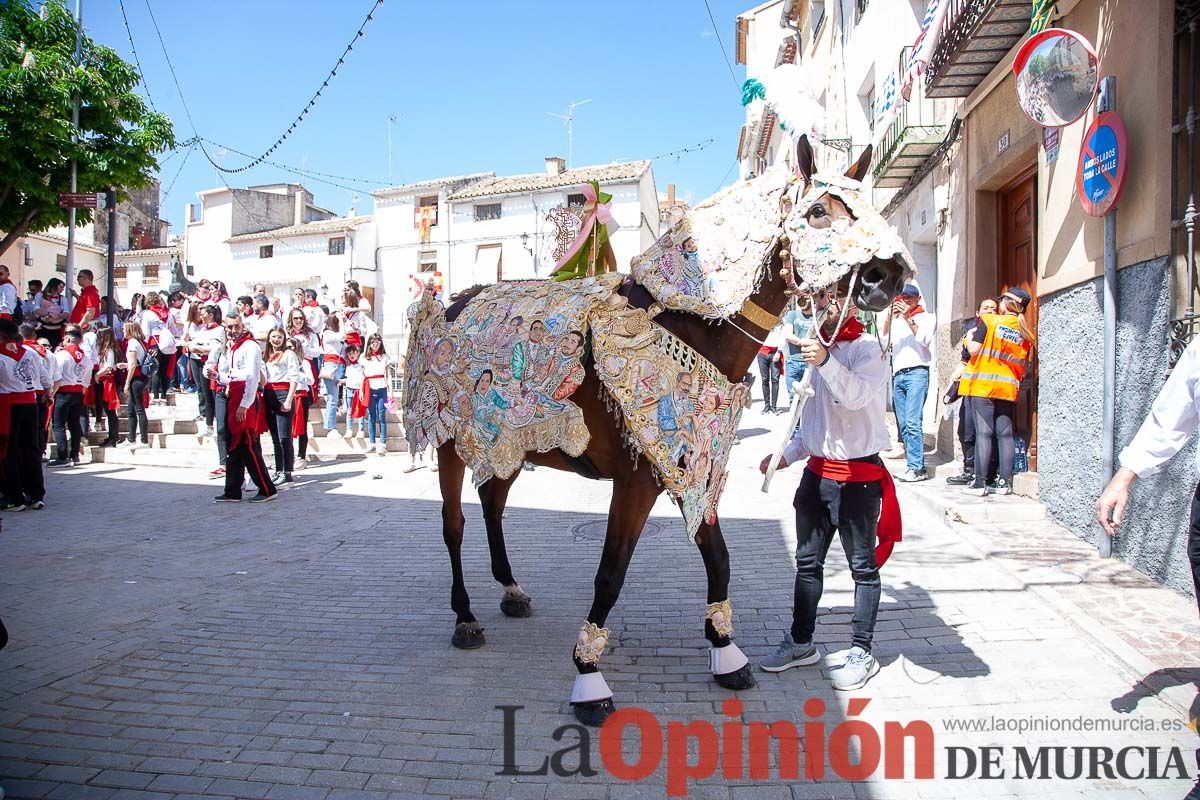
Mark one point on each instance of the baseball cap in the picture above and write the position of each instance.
(910, 290)
(1017, 293)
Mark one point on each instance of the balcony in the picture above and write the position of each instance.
(913, 135)
(975, 36)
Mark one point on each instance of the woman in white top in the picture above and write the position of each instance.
(357, 325)
(333, 347)
(282, 368)
(135, 383)
(375, 365)
(204, 335)
(157, 330)
(221, 299)
(105, 385)
(305, 392)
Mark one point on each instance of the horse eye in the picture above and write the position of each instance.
(817, 211)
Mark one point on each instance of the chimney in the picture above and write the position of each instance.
(298, 216)
(555, 165)
(671, 194)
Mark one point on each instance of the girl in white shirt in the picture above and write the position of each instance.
(333, 348)
(351, 381)
(204, 336)
(305, 391)
(157, 329)
(282, 368)
(375, 365)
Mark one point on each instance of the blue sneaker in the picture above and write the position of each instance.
(789, 654)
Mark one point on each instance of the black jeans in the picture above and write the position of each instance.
(68, 416)
(305, 400)
(1194, 542)
(967, 436)
(824, 506)
(43, 426)
(23, 463)
(279, 424)
(135, 409)
(162, 378)
(204, 392)
(994, 422)
(769, 371)
(247, 456)
(220, 409)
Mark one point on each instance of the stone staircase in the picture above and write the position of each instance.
(176, 439)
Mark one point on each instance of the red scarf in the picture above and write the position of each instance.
(850, 331)
(75, 352)
(16, 352)
(311, 304)
(13, 350)
(890, 525)
(255, 423)
(35, 347)
(917, 309)
(160, 312)
(362, 398)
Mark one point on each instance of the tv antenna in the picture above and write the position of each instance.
(569, 120)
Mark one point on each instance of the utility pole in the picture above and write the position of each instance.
(75, 141)
(1106, 100)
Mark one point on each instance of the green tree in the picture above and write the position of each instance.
(119, 138)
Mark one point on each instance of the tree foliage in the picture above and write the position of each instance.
(119, 138)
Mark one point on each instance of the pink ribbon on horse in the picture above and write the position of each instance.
(593, 211)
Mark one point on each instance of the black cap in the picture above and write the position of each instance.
(1017, 293)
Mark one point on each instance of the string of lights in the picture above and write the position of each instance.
(186, 156)
(254, 162)
(301, 171)
(695, 148)
(141, 72)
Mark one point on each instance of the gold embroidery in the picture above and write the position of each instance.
(721, 616)
(758, 316)
(590, 643)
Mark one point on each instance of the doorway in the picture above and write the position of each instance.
(1016, 265)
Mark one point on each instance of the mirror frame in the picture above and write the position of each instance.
(1026, 52)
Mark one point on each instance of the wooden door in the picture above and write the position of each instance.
(1016, 263)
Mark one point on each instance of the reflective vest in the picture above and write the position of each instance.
(997, 369)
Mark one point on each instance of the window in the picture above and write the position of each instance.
(870, 109)
(487, 211)
(60, 262)
(266, 251)
(121, 275)
(191, 270)
(427, 261)
(150, 274)
(28, 255)
(337, 245)
(576, 201)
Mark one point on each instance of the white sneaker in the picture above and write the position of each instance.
(859, 668)
(381, 449)
(209, 432)
(333, 433)
(360, 435)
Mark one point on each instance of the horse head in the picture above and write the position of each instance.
(832, 238)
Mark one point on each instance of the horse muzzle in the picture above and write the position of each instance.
(879, 281)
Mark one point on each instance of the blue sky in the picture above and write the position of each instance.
(471, 83)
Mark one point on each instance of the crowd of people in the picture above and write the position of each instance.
(69, 370)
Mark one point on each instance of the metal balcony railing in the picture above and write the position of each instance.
(975, 36)
(911, 137)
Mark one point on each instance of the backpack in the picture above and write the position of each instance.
(149, 363)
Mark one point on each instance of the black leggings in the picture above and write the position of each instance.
(994, 418)
(279, 423)
(208, 403)
(162, 378)
(769, 370)
(305, 401)
(966, 438)
(136, 410)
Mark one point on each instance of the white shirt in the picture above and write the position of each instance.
(284, 370)
(213, 338)
(29, 304)
(315, 317)
(45, 368)
(333, 343)
(89, 346)
(243, 364)
(911, 349)
(360, 321)
(844, 417)
(1172, 420)
(21, 373)
(375, 370)
(8, 298)
(354, 375)
(159, 329)
(262, 325)
(777, 338)
(69, 372)
(135, 352)
(312, 345)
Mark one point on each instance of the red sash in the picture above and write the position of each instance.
(362, 398)
(299, 415)
(255, 423)
(330, 358)
(109, 392)
(890, 524)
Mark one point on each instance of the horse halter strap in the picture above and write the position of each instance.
(758, 316)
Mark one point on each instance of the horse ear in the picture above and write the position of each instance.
(858, 170)
(805, 161)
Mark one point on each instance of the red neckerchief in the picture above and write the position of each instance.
(74, 351)
(850, 331)
(209, 326)
(917, 309)
(160, 312)
(13, 350)
(311, 304)
(890, 528)
(6, 281)
(35, 347)
(241, 340)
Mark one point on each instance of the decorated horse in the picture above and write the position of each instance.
(635, 379)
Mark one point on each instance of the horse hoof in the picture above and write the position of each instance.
(468, 636)
(594, 712)
(516, 607)
(738, 679)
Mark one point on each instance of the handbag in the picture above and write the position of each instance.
(951, 392)
(328, 371)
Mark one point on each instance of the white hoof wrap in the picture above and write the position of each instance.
(723, 660)
(589, 688)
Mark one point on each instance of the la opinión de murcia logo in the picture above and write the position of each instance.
(742, 751)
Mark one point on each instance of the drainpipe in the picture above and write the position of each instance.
(1106, 101)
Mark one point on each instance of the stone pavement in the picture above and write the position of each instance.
(163, 646)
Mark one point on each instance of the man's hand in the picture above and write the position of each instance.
(240, 414)
(898, 309)
(813, 352)
(1114, 499)
(766, 463)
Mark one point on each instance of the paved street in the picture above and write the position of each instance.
(163, 646)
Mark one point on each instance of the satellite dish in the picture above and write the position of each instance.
(1058, 74)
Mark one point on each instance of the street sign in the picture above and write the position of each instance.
(1102, 161)
(81, 200)
(1050, 142)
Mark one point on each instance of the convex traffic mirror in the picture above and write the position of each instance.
(1058, 74)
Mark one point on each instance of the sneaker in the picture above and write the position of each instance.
(124, 444)
(287, 478)
(263, 498)
(963, 479)
(920, 475)
(1001, 486)
(381, 448)
(199, 420)
(12, 507)
(277, 476)
(859, 668)
(301, 463)
(360, 435)
(789, 654)
(224, 498)
(37, 505)
(333, 433)
(74, 462)
(59, 462)
(209, 432)
(978, 488)
(908, 476)
(219, 472)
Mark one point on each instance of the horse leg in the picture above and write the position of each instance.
(729, 665)
(632, 499)
(468, 634)
(493, 495)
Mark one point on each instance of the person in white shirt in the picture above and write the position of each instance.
(136, 384)
(357, 324)
(375, 367)
(72, 375)
(33, 298)
(333, 348)
(352, 379)
(909, 329)
(1172, 421)
(45, 362)
(204, 337)
(262, 321)
(240, 368)
(159, 333)
(177, 318)
(8, 294)
(281, 366)
(307, 345)
(313, 311)
(845, 488)
(22, 376)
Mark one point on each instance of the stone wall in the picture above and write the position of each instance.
(1070, 417)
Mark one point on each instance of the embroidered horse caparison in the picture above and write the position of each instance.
(634, 379)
